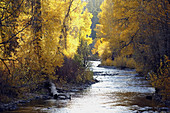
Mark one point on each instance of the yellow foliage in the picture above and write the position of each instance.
(79, 78)
(84, 76)
(108, 62)
(39, 37)
(47, 32)
(97, 44)
(123, 62)
(72, 46)
(163, 73)
(129, 27)
(85, 30)
(102, 48)
(51, 44)
(53, 20)
(161, 78)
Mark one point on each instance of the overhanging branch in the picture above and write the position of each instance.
(12, 12)
(16, 33)
(132, 38)
(5, 65)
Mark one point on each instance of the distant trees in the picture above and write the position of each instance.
(94, 7)
(37, 37)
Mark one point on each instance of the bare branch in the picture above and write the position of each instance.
(17, 33)
(5, 65)
(130, 40)
(4, 11)
(13, 11)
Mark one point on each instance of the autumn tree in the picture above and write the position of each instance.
(10, 11)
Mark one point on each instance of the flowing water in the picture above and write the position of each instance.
(119, 91)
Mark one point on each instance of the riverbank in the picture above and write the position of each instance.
(42, 94)
(160, 99)
(14, 104)
(118, 91)
(156, 96)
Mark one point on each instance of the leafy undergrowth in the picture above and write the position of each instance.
(161, 79)
(120, 62)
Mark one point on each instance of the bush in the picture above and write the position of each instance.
(73, 71)
(84, 77)
(161, 78)
(123, 62)
(108, 62)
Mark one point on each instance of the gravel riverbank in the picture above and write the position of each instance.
(31, 96)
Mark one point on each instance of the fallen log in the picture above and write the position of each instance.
(58, 94)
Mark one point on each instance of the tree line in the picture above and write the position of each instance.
(135, 34)
(41, 40)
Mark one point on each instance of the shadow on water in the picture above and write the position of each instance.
(119, 91)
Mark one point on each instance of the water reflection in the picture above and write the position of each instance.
(119, 91)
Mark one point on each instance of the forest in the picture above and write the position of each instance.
(52, 40)
(42, 40)
(135, 34)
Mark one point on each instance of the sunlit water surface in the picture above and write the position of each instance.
(119, 91)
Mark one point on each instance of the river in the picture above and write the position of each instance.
(119, 91)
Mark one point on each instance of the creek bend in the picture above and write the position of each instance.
(119, 91)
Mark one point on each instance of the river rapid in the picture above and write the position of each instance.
(119, 91)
